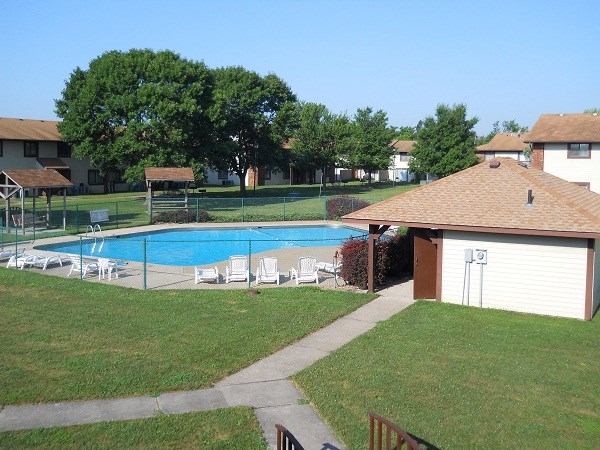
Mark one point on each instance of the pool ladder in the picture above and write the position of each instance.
(93, 229)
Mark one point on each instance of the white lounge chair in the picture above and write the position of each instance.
(82, 267)
(211, 274)
(5, 254)
(267, 271)
(333, 268)
(44, 261)
(237, 269)
(22, 260)
(106, 267)
(306, 272)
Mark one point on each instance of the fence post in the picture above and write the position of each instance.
(325, 207)
(197, 210)
(16, 242)
(249, 260)
(77, 217)
(145, 261)
(242, 209)
(284, 209)
(81, 257)
(117, 209)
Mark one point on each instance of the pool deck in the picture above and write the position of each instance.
(182, 277)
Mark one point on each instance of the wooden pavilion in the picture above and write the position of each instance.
(13, 182)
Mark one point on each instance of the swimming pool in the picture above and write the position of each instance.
(193, 246)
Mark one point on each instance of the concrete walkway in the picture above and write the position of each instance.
(262, 386)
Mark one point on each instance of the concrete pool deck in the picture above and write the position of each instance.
(182, 277)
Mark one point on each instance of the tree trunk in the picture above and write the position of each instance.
(242, 177)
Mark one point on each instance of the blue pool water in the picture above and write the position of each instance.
(192, 246)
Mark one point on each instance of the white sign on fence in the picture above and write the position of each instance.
(99, 215)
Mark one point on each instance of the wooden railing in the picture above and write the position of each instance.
(395, 438)
(286, 440)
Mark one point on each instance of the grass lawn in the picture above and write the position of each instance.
(460, 377)
(66, 339)
(220, 429)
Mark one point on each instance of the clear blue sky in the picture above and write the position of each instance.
(504, 59)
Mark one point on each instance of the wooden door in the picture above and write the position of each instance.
(425, 266)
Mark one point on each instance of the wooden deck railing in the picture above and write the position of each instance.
(286, 440)
(395, 438)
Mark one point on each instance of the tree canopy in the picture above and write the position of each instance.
(320, 138)
(130, 110)
(370, 148)
(252, 118)
(445, 143)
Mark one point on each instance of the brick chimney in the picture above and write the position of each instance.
(537, 155)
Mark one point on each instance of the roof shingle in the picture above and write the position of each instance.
(29, 130)
(583, 127)
(505, 142)
(482, 198)
(34, 178)
(169, 174)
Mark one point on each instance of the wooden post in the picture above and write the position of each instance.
(149, 195)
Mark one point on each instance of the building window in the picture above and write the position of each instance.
(63, 150)
(94, 177)
(579, 151)
(31, 149)
(583, 184)
(223, 175)
(404, 157)
(1, 148)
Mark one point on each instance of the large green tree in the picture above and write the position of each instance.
(445, 143)
(370, 148)
(130, 110)
(320, 138)
(253, 116)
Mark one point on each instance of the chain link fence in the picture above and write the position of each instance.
(27, 231)
(156, 264)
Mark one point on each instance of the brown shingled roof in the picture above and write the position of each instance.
(402, 146)
(33, 178)
(566, 128)
(29, 130)
(485, 199)
(52, 163)
(169, 174)
(505, 142)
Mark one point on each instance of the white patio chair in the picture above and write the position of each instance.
(306, 272)
(106, 267)
(267, 271)
(211, 274)
(82, 267)
(237, 269)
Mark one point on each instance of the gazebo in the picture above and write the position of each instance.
(17, 181)
(162, 174)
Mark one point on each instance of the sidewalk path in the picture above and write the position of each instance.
(262, 386)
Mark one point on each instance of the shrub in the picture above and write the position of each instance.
(182, 216)
(393, 257)
(339, 206)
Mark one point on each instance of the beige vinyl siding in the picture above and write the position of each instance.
(596, 290)
(534, 274)
(573, 169)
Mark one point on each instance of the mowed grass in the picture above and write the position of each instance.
(220, 429)
(68, 339)
(460, 377)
